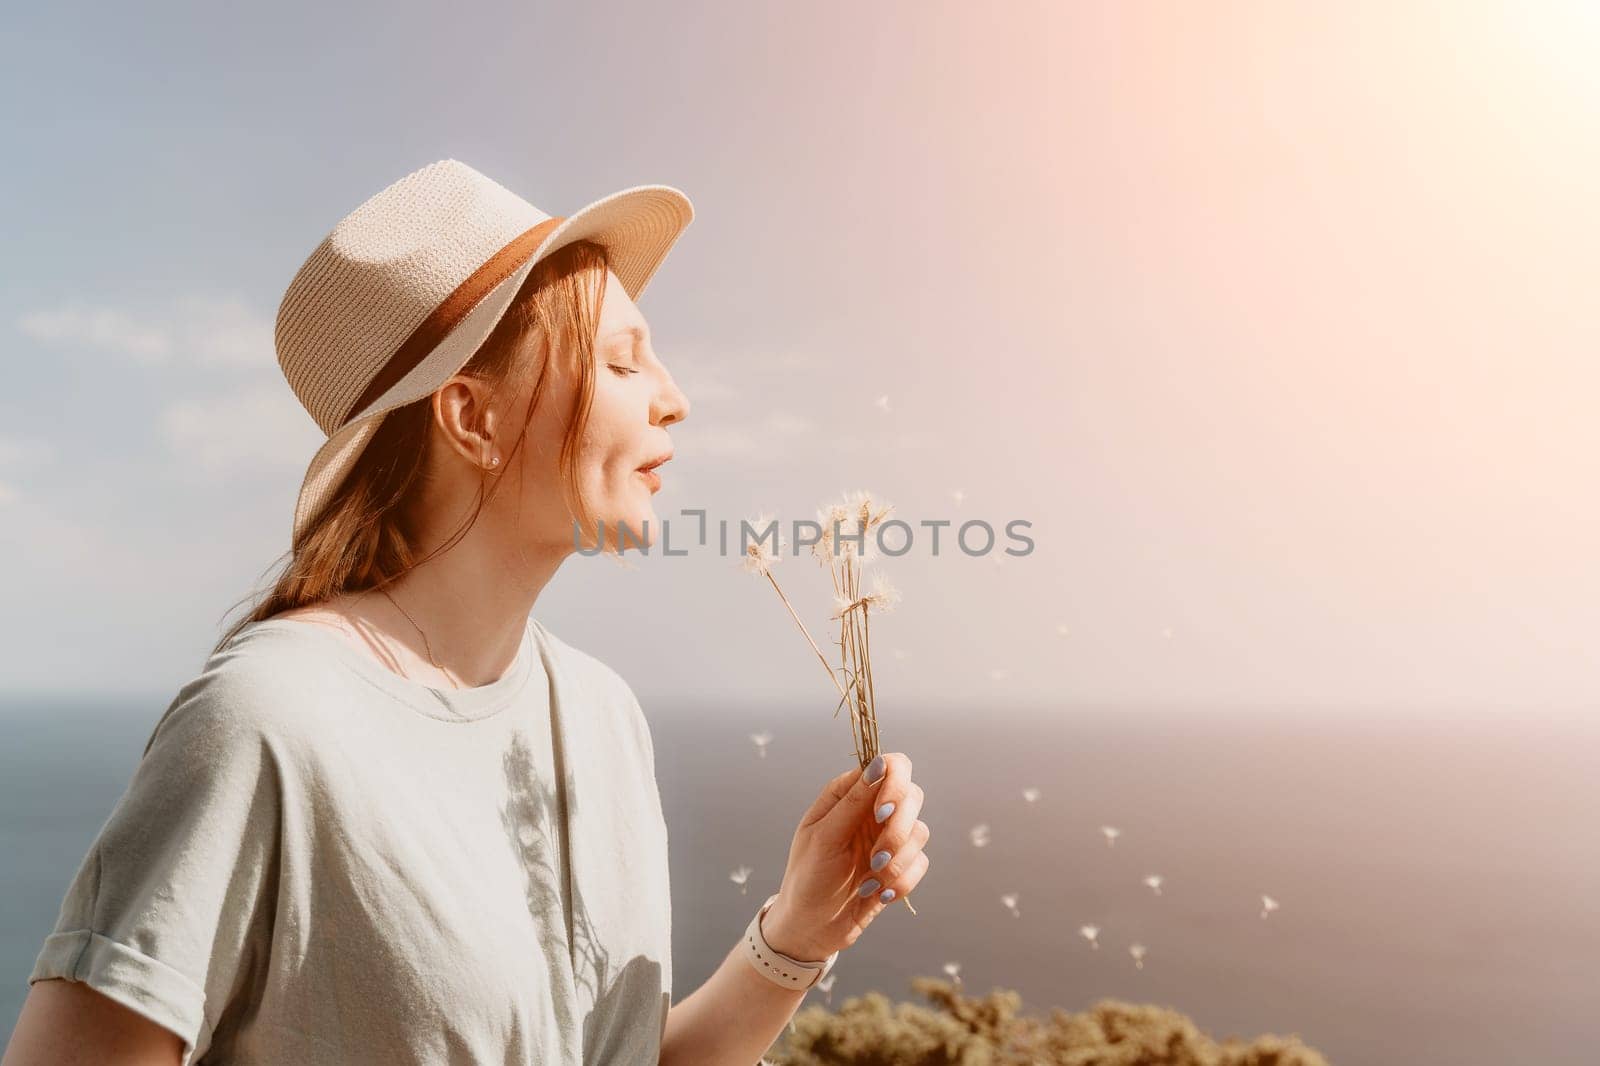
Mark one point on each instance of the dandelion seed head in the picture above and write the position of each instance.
(843, 526)
(884, 595)
(1091, 933)
(761, 550)
(867, 512)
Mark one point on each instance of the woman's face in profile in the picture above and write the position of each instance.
(635, 399)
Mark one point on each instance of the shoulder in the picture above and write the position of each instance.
(583, 669)
(595, 680)
(257, 688)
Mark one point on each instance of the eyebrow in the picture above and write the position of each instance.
(638, 334)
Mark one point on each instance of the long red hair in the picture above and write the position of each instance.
(364, 538)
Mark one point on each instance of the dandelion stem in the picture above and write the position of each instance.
(823, 659)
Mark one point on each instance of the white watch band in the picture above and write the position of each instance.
(779, 968)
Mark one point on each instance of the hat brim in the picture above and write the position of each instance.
(637, 227)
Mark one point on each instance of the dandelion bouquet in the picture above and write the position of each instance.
(844, 547)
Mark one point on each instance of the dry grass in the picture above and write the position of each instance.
(870, 1030)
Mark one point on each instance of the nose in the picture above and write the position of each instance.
(670, 404)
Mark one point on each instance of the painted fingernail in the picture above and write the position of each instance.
(875, 770)
(868, 887)
(885, 810)
(879, 861)
(886, 895)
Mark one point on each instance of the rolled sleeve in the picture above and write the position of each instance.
(173, 903)
(143, 984)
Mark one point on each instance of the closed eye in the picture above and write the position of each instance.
(622, 370)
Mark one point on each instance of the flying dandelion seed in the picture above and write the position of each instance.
(1166, 634)
(1091, 933)
(957, 495)
(1031, 795)
(881, 403)
(1010, 901)
(1154, 881)
(900, 653)
(1268, 905)
(741, 877)
(826, 984)
(954, 970)
(999, 673)
(980, 835)
(1111, 833)
(1062, 630)
(761, 740)
(1137, 951)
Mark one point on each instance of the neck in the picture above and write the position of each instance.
(472, 602)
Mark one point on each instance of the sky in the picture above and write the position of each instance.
(1275, 321)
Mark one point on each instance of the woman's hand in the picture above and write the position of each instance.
(820, 908)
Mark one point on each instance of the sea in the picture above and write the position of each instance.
(1436, 875)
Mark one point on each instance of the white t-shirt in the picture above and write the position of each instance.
(320, 861)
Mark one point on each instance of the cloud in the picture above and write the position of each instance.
(917, 440)
(715, 440)
(767, 438)
(195, 330)
(102, 328)
(702, 387)
(225, 332)
(784, 424)
(24, 451)
(260, 427)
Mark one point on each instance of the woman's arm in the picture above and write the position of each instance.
(734, 1017)
(67, 1023)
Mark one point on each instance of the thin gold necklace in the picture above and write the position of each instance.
(424, 636)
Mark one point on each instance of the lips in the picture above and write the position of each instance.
(648, 471)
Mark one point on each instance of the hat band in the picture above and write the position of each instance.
(432, 331)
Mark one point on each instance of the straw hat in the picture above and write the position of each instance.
(400, 295)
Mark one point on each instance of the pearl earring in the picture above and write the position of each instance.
(495, 461)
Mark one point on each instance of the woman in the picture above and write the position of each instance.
(395, 819)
